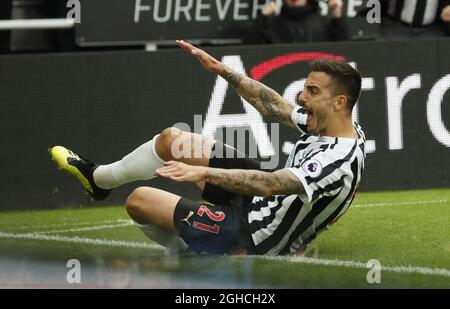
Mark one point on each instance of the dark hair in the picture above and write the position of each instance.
(347, 79)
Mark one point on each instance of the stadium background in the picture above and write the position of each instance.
(112, 83)
(105, 104)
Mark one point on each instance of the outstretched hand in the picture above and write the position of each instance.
(208, 62)
(180, 172)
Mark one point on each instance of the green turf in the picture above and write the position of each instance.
(413, 230)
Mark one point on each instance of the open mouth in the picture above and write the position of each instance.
(310, 117)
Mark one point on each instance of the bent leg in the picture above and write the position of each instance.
(205, 228)
(147, 205)
(176, 145)
(141, 163)
(153, 209)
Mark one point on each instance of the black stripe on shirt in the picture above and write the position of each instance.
(419, 13)
(256, 225)
(362, 146)
(282, 229)
(302, 110)
(312, 154)
(332, 217)
(303, 127)
(308, 221)
(328, 188)
(305, 136)
(398, 8)
(330, 168)
(265, 202)
(301, 146)
(360, 132)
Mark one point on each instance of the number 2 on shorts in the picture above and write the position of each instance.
(217, 216)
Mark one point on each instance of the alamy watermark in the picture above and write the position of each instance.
(373, 15)
(234, 137)
(75, 10)
(74, 274)
(374, 274)
(373, 11)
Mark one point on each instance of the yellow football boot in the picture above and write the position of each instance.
(80, 168)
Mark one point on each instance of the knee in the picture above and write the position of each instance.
(165, 141)
(134, 204)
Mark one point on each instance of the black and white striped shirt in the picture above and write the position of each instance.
(329, 169)
(413, 12)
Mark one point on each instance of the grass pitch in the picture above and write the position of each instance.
(407, 232)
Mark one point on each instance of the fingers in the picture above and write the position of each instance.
(170, 174)
(179, 178)
(162, 171)
(172, 170)
(187, 47)
(168, 168)
(183, 44)
(171, 163)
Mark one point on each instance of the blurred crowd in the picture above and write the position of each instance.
(301, 21)
(292, 21)
(298, 21)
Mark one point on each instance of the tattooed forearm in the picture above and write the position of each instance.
(270, 101)
(232, 77)
(266, 100)
(254, 182)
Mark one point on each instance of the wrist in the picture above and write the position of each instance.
(205, 173)
(222, 68)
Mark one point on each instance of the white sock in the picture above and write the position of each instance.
(170, 240)
(140, 164)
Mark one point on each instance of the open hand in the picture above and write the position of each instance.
(208, 62)
(180, 172)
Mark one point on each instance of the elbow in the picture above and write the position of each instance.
(271, 187)
(271, 184)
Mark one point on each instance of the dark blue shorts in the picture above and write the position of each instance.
(218, 225)
(207, 228)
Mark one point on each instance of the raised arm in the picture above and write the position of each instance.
(266, 100)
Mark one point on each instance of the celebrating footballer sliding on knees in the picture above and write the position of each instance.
(244, 209)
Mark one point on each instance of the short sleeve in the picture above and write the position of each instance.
(321, 175)
(299, 116)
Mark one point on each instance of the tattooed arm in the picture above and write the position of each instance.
(266, 100)
(246, 182)
(254, 182)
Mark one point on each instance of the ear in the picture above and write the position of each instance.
(341, 103)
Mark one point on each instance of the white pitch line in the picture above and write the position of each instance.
(399, 203)
(90, 228)
(25, 227)
(351, 264)
(80, 240)
(292, 259)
